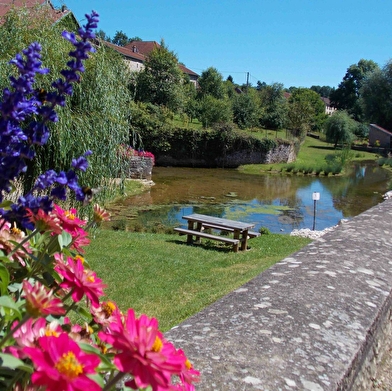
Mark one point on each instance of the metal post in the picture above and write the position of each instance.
(315, 197)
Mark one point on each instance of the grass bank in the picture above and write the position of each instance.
(313, 153)
(161, 276)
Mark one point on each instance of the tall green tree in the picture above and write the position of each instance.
(161, 80)
(246, 109)
(211, 83)
(339, 128)
(376, 97)
(323, 91)
(273, 106)
(120, 38)
(306, 111)
(213, 111)
(346, 96)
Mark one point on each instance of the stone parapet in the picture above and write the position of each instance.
(140, 167)
(318, 320)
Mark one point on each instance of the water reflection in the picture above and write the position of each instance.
(279, 202)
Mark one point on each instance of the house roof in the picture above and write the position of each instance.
(380, 129)
(326, 101)
(53, 13)
(139, 50)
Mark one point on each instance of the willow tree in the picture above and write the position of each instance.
(94, 118)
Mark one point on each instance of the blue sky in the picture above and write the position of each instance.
(294, 42)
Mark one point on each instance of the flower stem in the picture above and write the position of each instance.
(11, 332)
(112, 382)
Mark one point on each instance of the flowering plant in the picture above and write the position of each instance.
(43, 274)
(127, 152)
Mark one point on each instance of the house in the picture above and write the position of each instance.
(379, 137)
(54, 14)
(136, 52)
(328, 108)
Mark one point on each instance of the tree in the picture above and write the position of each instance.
(310, 110)
(211, 83)
(273, 106)
(102, 35)
(120, 38)
(323, 91)
(213, 111)
(346, 96)
(376, 97)
(245, 109)
(339, 128)
(160, 81)
(230, 79)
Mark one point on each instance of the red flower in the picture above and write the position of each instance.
(44, 221)
(40, 301)
(60, 364)
(142, 352)
(80, 280)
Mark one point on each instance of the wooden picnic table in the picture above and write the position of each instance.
(197, 223)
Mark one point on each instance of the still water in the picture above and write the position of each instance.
(280, 203)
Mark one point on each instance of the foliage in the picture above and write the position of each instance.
(246, 109)
(120, 38)
(213, 110)
(273, 106)
(160, 81)
(95, 117)
(306, 111)
(346, 96)
(211, 83)
(323, 91)
(376, 97)
(339, 128)
(43, 274)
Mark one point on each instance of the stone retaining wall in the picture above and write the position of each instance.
(318, 320)
(140, 167)
(283, 153)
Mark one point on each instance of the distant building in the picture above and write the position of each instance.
(328, 108)
(56, 15)
(379, 137)
(136, 52)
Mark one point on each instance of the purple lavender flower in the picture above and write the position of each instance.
(21, 104)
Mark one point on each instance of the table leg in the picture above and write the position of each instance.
(190, 227)
(198, 228)
(236, 236)
(244, 240)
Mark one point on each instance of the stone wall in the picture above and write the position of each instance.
(318, 320)
(140, 167)
(283, 153)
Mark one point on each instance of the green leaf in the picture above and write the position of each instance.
(64, 239)
(7, 302)
(6, 205)
(4, 279)
(83, 313)
(9, 361)
(97, 378)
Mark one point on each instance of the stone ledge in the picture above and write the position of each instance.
(317, 320)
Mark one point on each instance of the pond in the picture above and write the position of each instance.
(278, 202)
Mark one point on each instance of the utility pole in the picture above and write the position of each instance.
(247, 81)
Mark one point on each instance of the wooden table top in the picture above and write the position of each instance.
(218, 221)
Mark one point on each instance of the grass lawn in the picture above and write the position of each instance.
(158, 274)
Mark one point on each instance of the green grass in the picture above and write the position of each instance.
(161, 276)
(313, 153)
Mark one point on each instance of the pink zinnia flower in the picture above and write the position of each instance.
(8, 237)
(142, 352)
(44, 221)
(80, 280)
(106, 313)
(79, 239)
(100, 214)
(188, 375)
(69, 221)
(41, 301)
(60, 364)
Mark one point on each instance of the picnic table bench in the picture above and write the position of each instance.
(197, 223)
